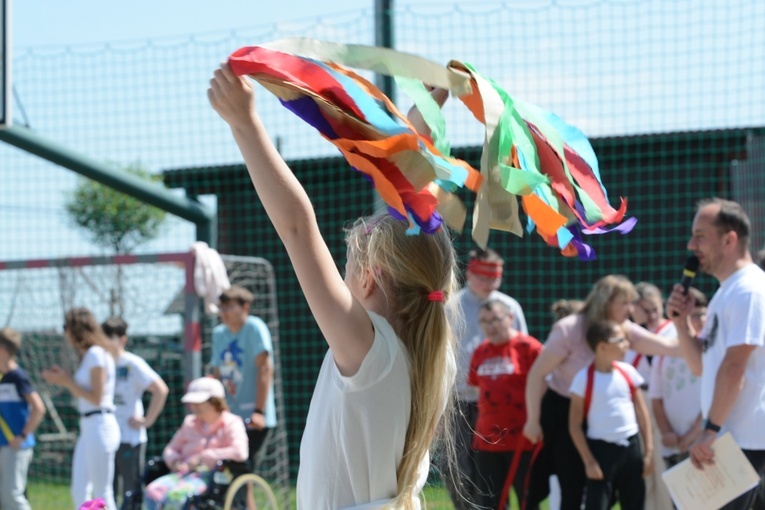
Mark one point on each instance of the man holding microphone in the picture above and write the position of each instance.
(729, 353)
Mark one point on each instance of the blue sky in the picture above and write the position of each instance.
(87, 76)
(610, 67)
(63, 22)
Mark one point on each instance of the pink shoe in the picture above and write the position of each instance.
(94, 504)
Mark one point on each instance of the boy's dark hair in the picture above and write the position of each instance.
(114, 326)
(10, 340)
(238, 294)
(699, 297)
(489, 304)
(599, 332)
(487, 255)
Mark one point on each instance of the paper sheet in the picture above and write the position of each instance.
(709, 489)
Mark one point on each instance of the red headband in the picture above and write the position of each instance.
(487, 269)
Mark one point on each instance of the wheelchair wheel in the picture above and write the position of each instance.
(237, 497)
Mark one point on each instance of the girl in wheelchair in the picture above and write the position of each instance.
(210, 434)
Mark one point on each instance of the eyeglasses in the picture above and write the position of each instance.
(491, 322)
(617, 339)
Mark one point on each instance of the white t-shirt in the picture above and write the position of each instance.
(95, 356)
(612, 415)
(354, 435)
(736, 316)
(134, 376)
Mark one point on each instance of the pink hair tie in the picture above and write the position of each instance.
(436, 295)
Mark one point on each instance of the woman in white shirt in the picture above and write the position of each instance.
(93, 387)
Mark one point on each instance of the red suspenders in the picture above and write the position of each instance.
(591, 382)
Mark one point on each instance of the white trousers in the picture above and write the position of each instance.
(14, 465)
(93, 460)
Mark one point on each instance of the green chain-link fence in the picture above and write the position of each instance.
(672, 95)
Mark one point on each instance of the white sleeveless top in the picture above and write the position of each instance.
(354, 435)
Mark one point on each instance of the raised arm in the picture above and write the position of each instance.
(341, 318)
(415, 116)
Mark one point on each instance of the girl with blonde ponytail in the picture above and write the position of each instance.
(384, 385)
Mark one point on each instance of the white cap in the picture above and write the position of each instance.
(203, 389)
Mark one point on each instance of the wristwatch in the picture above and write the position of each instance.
(708, 425)
(258, 411)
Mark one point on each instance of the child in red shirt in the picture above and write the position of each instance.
(499, 368)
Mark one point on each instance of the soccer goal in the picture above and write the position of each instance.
(166, 326)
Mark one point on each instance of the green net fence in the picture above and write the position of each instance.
(672, 95)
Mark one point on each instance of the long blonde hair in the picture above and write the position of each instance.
(407, 268)
(85, 331)
(603, 292)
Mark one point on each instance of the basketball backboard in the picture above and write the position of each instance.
(5, 63)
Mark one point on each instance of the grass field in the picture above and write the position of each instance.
(56, 497)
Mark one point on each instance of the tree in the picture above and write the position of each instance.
(115, 220)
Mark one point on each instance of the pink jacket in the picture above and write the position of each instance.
(226, 439)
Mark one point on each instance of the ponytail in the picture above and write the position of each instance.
(417, 275)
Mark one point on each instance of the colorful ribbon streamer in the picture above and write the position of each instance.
(528, 152)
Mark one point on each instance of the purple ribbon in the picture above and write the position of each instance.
(307, 109)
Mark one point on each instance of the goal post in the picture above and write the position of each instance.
(106, 287)
(6, 82)
(167, 326)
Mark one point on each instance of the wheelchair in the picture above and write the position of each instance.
(231, 486)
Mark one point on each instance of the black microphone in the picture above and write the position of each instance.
(689, 273)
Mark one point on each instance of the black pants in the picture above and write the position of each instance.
(128, 468)
(558, 456)
(257, 441)
(748, 499)
(461, 485)
(493, 468)
(622, 468)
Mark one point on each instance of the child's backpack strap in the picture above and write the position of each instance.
(591, 382)
(588, 390)
(627, 378)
